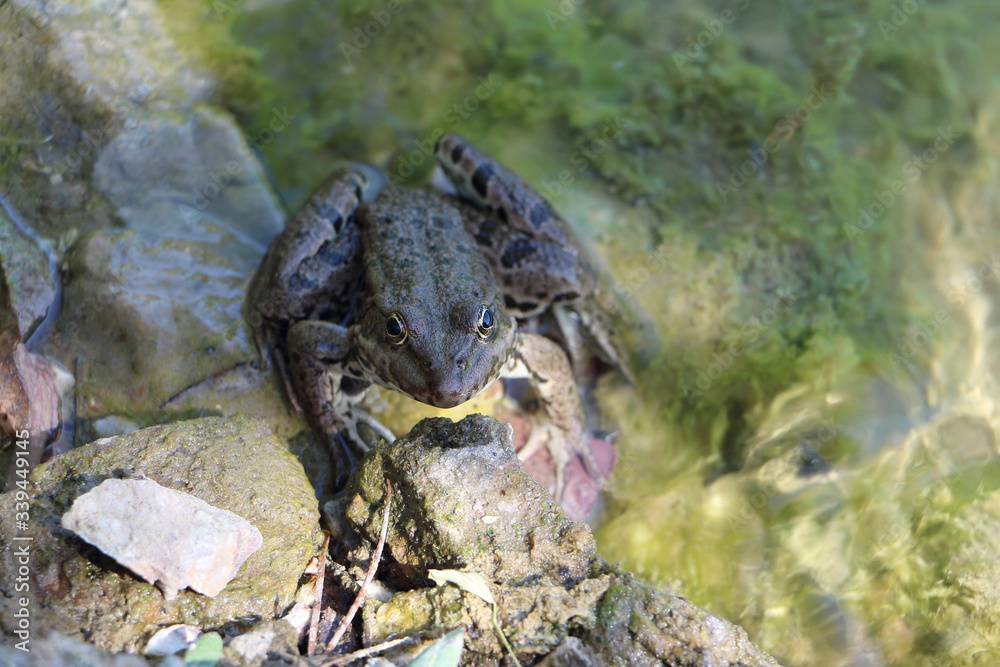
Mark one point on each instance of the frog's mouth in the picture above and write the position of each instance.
(441, 392)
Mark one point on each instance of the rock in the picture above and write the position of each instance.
(114, 129)
(56, 650)
(150, 317)
(164, 535)
(26, 286)
(235, 464)
(254, 647)
(453, 514)
(187, 179)
(172, 639)
(74, 74)
(462, 500)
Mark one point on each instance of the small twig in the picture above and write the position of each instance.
(318, 601)
(77, 403)
(365, 652)
(342, 628)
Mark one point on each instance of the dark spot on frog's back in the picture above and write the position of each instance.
(484, 234)
(518, 250)
(456, 153)
(538, 214)
(481, 179)
(518, 306)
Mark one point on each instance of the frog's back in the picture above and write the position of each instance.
(416, 249)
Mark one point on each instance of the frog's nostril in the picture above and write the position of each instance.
(460, 362)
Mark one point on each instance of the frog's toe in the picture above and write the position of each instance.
(373, 181)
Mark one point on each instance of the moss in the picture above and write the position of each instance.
(203, 29)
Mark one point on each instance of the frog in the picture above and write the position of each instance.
(421, 292)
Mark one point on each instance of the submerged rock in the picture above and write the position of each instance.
(462, 500)
(234, 464)
(112, 127)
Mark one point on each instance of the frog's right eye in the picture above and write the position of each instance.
(395, 329)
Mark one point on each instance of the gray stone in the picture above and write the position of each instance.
(235, 464)
(149, 317)
(74, 73)
(112, 128)
(542, 567)
(253, 648)
(164, 536)
(56, 650)
(169, 177)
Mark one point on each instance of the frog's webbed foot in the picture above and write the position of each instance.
(565, 435)
(584, 327)
(359, 427)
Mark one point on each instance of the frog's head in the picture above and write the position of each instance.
(442, 358)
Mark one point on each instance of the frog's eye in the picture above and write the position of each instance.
(485, 322)
(395, 329)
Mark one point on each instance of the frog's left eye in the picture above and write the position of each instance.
(395, 329)
(485, 322)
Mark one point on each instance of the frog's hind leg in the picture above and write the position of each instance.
(480, 178)
(546, 366)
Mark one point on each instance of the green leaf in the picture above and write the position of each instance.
(445, 652)
(471, 582)
(206, 652)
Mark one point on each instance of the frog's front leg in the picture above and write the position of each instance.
(315, 347)
(546, 366)
(312, 267)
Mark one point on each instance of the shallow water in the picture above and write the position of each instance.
(802, 196)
